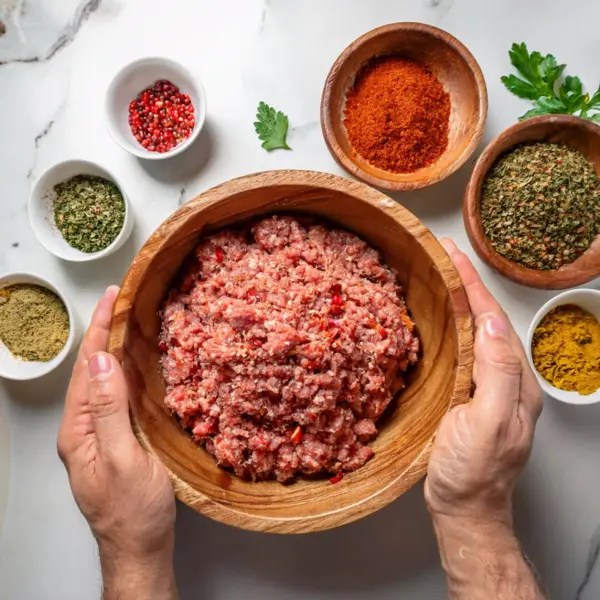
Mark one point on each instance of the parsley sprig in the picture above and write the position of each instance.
(271, 126)
(539, 83)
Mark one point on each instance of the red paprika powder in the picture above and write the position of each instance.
(397, 115)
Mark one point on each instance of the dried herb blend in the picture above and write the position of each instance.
(89, 212)
(34, 322)
(541, 206)
(566, 349)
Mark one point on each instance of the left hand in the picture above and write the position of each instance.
(123, 492)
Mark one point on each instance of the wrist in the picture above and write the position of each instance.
(138, 574)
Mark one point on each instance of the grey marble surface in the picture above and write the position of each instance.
(56, 59)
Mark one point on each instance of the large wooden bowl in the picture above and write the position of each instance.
(435, 297)
(454, 66)
(560, 129)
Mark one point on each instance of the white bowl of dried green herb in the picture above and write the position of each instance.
(563, 346)
(38, 328)
(79, 212)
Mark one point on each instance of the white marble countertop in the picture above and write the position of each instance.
(55, 61)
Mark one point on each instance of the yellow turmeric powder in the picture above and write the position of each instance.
(566, 349)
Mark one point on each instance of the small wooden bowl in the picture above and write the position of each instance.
(561, 129)
(453, 65)
(442, 379)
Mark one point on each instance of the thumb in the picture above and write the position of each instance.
(109, 406)
(498, 368)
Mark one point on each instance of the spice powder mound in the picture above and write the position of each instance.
(397, 115)
(34, 322)
(566, 349)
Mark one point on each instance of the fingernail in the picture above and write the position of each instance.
(496, 327)
(112, 291)
(100, 364)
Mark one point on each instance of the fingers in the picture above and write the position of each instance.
(96, 338)
(483, 304)
(498, 369)
(480, 299)
(76, 420)
(108, 402)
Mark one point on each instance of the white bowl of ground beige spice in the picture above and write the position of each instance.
(563, 346)
(79, 212)
(38, 328)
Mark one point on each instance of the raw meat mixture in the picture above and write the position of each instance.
(282, 346)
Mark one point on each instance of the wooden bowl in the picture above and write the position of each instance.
(562, 129)
(453, 65)
(435, 297)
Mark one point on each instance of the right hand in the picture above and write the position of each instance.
(482, 447)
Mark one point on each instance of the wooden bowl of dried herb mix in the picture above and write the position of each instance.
(532, 205)
(79, 212)
(38, 328)
(563, 346)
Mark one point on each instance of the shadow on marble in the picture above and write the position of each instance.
(186, 165)
(394, 544)
(442, 199)
(106, 271)
(34, 392)
(583, 420)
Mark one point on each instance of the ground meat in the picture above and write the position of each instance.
(282, 346)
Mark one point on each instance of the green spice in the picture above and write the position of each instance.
(541, 206)
(89, 212)
(34, 323)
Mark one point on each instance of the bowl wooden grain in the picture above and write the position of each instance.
(454, 66)
(435, 297)
(560, 129)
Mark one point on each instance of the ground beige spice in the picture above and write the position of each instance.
(34, 322)
(566, 349)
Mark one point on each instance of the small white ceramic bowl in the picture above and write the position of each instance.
(22, 370)
(136, 77)
(41, 213)
(588, 300)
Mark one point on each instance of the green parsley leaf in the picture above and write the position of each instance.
(538, 80)
(595, 118)
(271, 126)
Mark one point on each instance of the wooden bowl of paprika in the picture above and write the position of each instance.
(442, 379)
(404, 106)
(564, 130)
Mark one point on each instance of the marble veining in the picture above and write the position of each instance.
(66, 36)
(592, 560)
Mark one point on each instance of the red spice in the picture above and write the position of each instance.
(219, 254)
(296, 436)
(397, 115)
(337, 477)
(161, 117)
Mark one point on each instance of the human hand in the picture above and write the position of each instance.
(482, 447)
(123, 492)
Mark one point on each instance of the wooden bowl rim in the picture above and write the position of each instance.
(461, 314)
(346, 162)
(571, 275)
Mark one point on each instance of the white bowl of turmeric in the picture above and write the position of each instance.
(563, 346)
(38, 327)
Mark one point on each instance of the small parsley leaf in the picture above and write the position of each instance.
(537, 82)
(271, 126)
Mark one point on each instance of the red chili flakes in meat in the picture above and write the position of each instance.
(283, 346)
(337, 477)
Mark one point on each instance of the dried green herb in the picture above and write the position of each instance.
(34, 323)
(89, 212)
(541, 206)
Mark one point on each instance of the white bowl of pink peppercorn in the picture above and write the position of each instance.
(155, 108)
